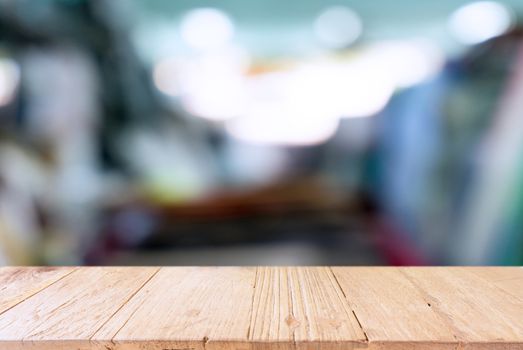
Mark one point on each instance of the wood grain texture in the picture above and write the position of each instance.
(391, 309)
(509, 279)
(17, 284)
(304, 307)
(478, 312)
(251, 308)
(71, 310)
(186, 308)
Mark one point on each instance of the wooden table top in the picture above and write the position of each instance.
(222, 308)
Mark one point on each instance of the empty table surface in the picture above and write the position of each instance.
(204, 308)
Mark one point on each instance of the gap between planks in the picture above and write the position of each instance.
(350, 306)
(293, 286)
(123, 304)
(251, 315)
(431, 302)
(39, 290)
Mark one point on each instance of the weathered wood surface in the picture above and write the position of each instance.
(222, 308)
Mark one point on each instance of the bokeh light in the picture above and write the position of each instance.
(338, 27)
(479, 21)
(206, 28)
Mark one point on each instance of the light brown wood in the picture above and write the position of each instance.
(302, 306)
(17, 284)
(391, 309)
(186, 308)
(478, 312)
(509, 279)
(72, 309)
(244, 308)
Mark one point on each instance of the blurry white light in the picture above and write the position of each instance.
(218, 97)
(206, 28)
(407, 62)
(213, 84)
(364, 93)
(271, 125)
(303, 106)
(209, 85)
(283, 110)
(479, 21)
(9, 79)
(165, 77)
(355, 89)
(337, 27)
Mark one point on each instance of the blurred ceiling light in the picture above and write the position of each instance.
(338, 27)
(213, 84)
(479, 21)
(273, 126)
(218, 97)
(206, 28)
(277, 114)
(364, 93)
(208, 85)
(9, 80)
(348, 90)
(407, 62)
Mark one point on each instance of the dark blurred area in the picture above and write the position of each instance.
(226, 132)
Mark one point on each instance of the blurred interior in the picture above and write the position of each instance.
(225, 132)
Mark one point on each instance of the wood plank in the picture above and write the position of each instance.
(186, 308)
(269, 308)
(496, 273)
(302, 307)
(71, 310)
(272, 318)
(392, 311)
(480, 314)
(272, 308)
(509, 279)
(18, 284)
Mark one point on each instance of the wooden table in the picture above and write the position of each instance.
(207, 308)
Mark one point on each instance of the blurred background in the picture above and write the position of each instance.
(192, 132)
